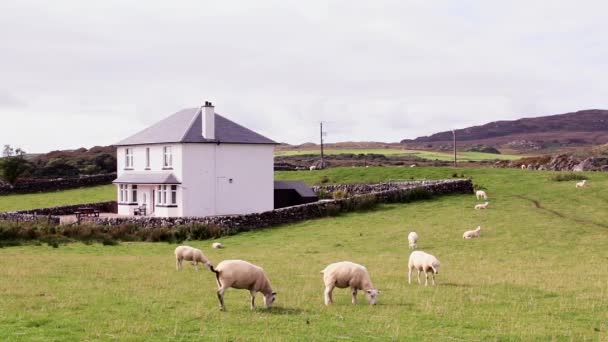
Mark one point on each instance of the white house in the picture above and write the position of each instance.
(195, 163)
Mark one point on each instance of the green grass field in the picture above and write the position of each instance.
(537, 273)
(429, 155)
(50, 199)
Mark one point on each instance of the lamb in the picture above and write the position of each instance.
(482, 206)
(581, 184)
(480, 194)
(412, 238)
(241, 274)
(470, 234)
(423, 262)
(523, 166)
(348, 274)
(313, 167)
(190, 254)
(217, 245)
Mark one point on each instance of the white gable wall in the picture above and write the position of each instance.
(251, 169)
(198, 188)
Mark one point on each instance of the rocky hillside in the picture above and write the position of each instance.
(539, 134)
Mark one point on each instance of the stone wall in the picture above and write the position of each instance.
(51, 215)
(41, 185)
(233, 224)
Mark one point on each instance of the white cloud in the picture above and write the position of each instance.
(385, 70)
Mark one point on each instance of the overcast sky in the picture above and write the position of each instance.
(84, 73)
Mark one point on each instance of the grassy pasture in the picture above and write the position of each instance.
(537, 273)
(429, 155)
(99, 193)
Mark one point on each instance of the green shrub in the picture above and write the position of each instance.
(324, 180)
(564, 177)
(322, 194)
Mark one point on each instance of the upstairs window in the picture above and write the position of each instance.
(129, 158)
(167, 157)
(147, 157)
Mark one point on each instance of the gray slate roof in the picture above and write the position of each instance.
(299, 186)
(185, 126)
(150, 177)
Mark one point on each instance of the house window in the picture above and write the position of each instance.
(158, 195)
(167, 157)
(173, 194)
(129, 158)
(134, 193)
(147, 157)
(124, 193)
(164, 194)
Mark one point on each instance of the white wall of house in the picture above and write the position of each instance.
(224, 179)
(244, 178)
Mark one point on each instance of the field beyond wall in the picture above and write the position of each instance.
(539, 272)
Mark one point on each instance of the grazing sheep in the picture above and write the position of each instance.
(523, 166)
(423, 262)
(314, 167)
(348, 274)
(482, 206)
(413, 165)
(217, 245)
(412, 238)
(470, 234)
(581, 184)
(480, 194)
(241, 274)
(190, 254)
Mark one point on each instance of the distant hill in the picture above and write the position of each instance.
(545, 133)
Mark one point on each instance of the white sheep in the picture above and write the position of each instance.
(581, 184)
(190, 254)
(523, 166)
(413, 165)
(480, 194)
(412, 238)
(313, 167)
(423, 262)
(470, 234)
(348, 274)
(217, 245)
(243, 275)
(482, 206)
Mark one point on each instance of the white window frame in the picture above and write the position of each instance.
(134, 193)
(167, 157)
(147, 157)
(124, 193)
(128, 158)
(173, 194)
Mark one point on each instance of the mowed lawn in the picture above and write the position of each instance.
(428, 155)
(50, 199)
(535, 274)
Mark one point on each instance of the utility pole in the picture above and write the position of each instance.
(454, 135)
(322, 156)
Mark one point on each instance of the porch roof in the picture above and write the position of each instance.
(149, 177)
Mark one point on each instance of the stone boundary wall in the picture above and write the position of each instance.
(362, 196)
(51, 215)
(41, 185)
(234, 224)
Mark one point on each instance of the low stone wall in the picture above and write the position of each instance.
(41, 185)
(17, 217)
(104, 207)
(359, 189)
(51, 215)
(395, 192)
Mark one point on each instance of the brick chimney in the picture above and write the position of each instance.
(208, 116)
